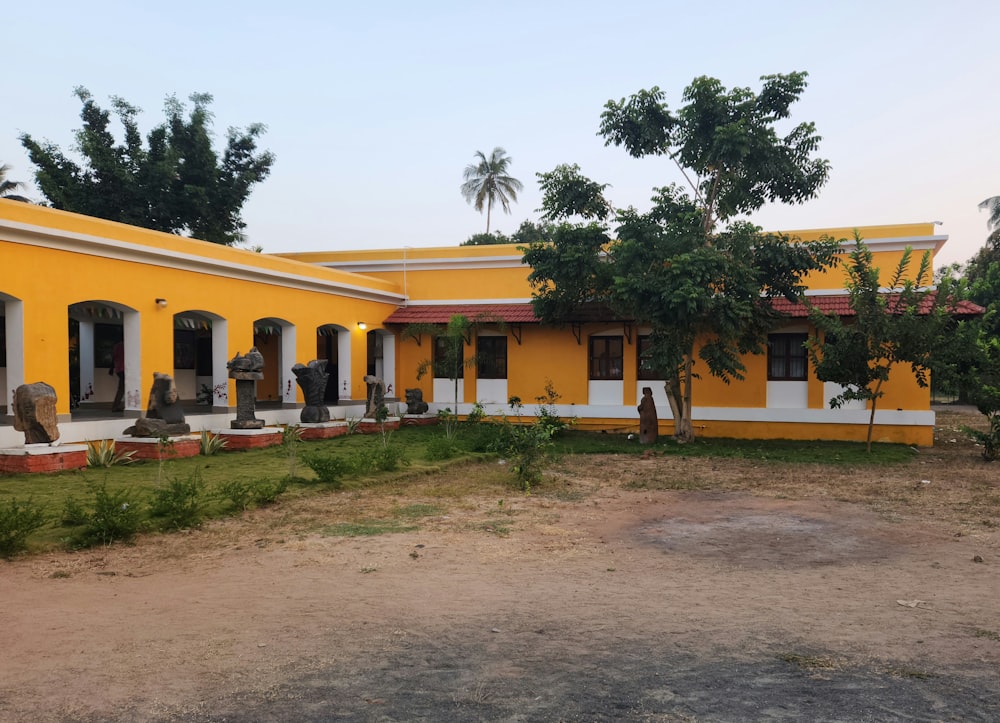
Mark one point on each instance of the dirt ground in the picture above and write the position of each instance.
(723, 592)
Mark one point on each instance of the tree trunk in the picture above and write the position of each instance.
(489, 209)
(679, 397)
(871, 417)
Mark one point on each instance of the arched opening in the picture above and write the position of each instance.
(11, 350)
(382, 358)
(200, 350)
(104, 357)
(275, 340)
(333, 345)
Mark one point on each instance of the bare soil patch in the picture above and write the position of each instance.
(622, 589)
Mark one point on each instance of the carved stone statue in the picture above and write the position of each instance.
(35, 413)
(415, 403)
(164, 414)
(246, 370)
(648, 422)
(312, 378)
(376, 395)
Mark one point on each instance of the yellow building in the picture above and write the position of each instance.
(74, 286)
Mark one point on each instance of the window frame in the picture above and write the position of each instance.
(793, 350)
(602, 366)
(491, 363)
(436, 361)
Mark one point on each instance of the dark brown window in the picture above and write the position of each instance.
(491, 362)
(786, 358)
(447, 361)
(642, 349)
(606, 357)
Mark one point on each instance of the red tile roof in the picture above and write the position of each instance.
(838, 304)
(442, 313)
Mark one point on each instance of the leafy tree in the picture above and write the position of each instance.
(486, 239)
(992, 204)
(887, 329)
(487, 182)
(8, 187)
(175, 183)
(528, 233)
(670, 268)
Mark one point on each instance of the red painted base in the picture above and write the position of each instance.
(370, 426)
(43, 459)
(418, 420)
(258, 440)
(177, 448)
(314, 433)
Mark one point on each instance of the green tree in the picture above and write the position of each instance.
(670, 268)
(9, 187)
(895, 323)
(485, 239)
(487, 182)
(175, 182)
(992, 204)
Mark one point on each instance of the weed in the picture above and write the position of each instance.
(989, 440)
(546, 410)
(439, 448)
(238, 492)
(18, 520)
(266, 492)
(988, 634)
(524, 445)
(179, 501)
(808, 662)
(212, 443)
(102, 454)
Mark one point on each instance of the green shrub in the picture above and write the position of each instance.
(267, 491)
(17, 521)
(439, 448)
(102, 454)
(239, 493)
(328, 468)
(384, 458)
(291, 440)
(989, 440)
(179, 501)
(525, 446)
(73, 514)
(212, 443)
(115, 516)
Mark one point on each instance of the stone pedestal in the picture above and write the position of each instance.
(370, 426)
(246, 400)
(419, 420)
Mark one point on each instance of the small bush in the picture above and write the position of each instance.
(439, 448)
(328, 468)
(115, 516)
(989, 440)
(212, 443)
(179, 501)
(17, 521)
(73, 513)
(384, 458)
(102, 454)
(266, 491)
(239, 493)
(291, 440)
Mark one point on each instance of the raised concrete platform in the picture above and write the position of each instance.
(323, 430)
(370, 426)
(43, 458)
(150, 447)
(419, 420)
(242, 439)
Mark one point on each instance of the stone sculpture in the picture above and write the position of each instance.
(312, 378)
(35, 413)
(376, 395)
(164, 414)
(415, 403)
(648, 423)
(246, 370)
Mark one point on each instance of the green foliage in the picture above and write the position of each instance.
(238, 492)
(569, 193)
(328, 468)
(18, 519)
(175, 182)
(486, 239)
(113, 516)
(487, 182)
(179, 502)
(242, 493)
(440, 448)
(546, 410)
(669, 269)
(291, 440)
(523, 446)
(382, 458)
(887, 329)
(990, 439)
(8, 187)
(211, 443)
(102, 454)
(267, 491)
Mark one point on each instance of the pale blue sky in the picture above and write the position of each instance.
(374, 109)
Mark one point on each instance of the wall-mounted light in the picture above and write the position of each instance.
(362, 325)
(162, 303)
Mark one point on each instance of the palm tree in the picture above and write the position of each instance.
(992, 204)
(7, 188)
(486, 181)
